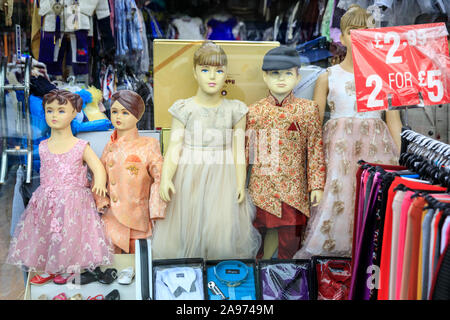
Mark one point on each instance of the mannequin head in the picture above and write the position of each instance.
(210, 68)
(61, 107)
(127, 108)
(356, 17)
(280, 71)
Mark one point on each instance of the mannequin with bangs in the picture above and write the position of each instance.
(204, 172)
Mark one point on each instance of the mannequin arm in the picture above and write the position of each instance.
(316, 161)
(321, 93)
(394, 124)
(239, 157)
(316, 196)
(171, 159)
(97, 169)
(156, 205)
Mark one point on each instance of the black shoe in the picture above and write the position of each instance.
(89, 276)
(108, 276)
(113, 295)
(85, 278)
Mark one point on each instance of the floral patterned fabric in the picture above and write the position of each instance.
(133, 165)
(348, 137)
(282, 138)
(60, 230)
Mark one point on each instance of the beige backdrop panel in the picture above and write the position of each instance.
(173, 73)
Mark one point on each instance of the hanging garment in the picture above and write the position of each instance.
(441, 288)
(221, 30)
(397, 271)
(189, 28)
(408, 286)
(396, 211)
(426, 252)
(383, 293)
(74, 47)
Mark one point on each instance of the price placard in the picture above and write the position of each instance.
(401, 66)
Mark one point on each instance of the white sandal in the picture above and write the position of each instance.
(126, 275)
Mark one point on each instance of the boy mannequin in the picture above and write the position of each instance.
(280, 194)
(133, 165)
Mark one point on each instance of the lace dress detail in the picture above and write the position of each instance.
(203, 218)
(60, 230)
(349, 136)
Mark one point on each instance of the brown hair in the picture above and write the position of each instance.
(356, 17)
(131, 101)
(210, 54)
(63, 96)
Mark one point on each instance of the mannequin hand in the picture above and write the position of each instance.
(164, 189)
(99, 190)
(103, 209)
(241, 194)
(316, 196)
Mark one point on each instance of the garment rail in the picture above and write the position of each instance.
(18, 150)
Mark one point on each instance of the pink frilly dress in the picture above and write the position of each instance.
(60, 230)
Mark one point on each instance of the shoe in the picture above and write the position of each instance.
(97, 297)
(126, 275)
(113, 295)
(108, 276)
(86, 277)
(61, 296)
(62, 278)
(43, 297)
(41, 279)
(76, 297)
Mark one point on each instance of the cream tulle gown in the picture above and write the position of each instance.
(203, 218)
(349, 136)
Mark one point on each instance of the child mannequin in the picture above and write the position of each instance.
(281, 196)
(133, 164)
(209, 214)
(349, 136)
(60, 230)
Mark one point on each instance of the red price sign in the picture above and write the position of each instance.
(408, 65)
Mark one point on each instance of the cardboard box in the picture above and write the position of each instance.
(173, 73)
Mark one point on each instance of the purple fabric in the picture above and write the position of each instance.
(364, 245)
(362, 197)
(285, 281)
(47, 49)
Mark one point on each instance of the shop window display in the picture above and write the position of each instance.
(204, 213)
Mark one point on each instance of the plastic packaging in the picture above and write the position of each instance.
(285, 281)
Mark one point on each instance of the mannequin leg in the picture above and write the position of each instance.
(262, 231)
(270, 243)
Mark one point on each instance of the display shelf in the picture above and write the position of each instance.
(127, 292)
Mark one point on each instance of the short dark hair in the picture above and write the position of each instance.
(63, 96)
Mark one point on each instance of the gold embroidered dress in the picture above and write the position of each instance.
(349, 136)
